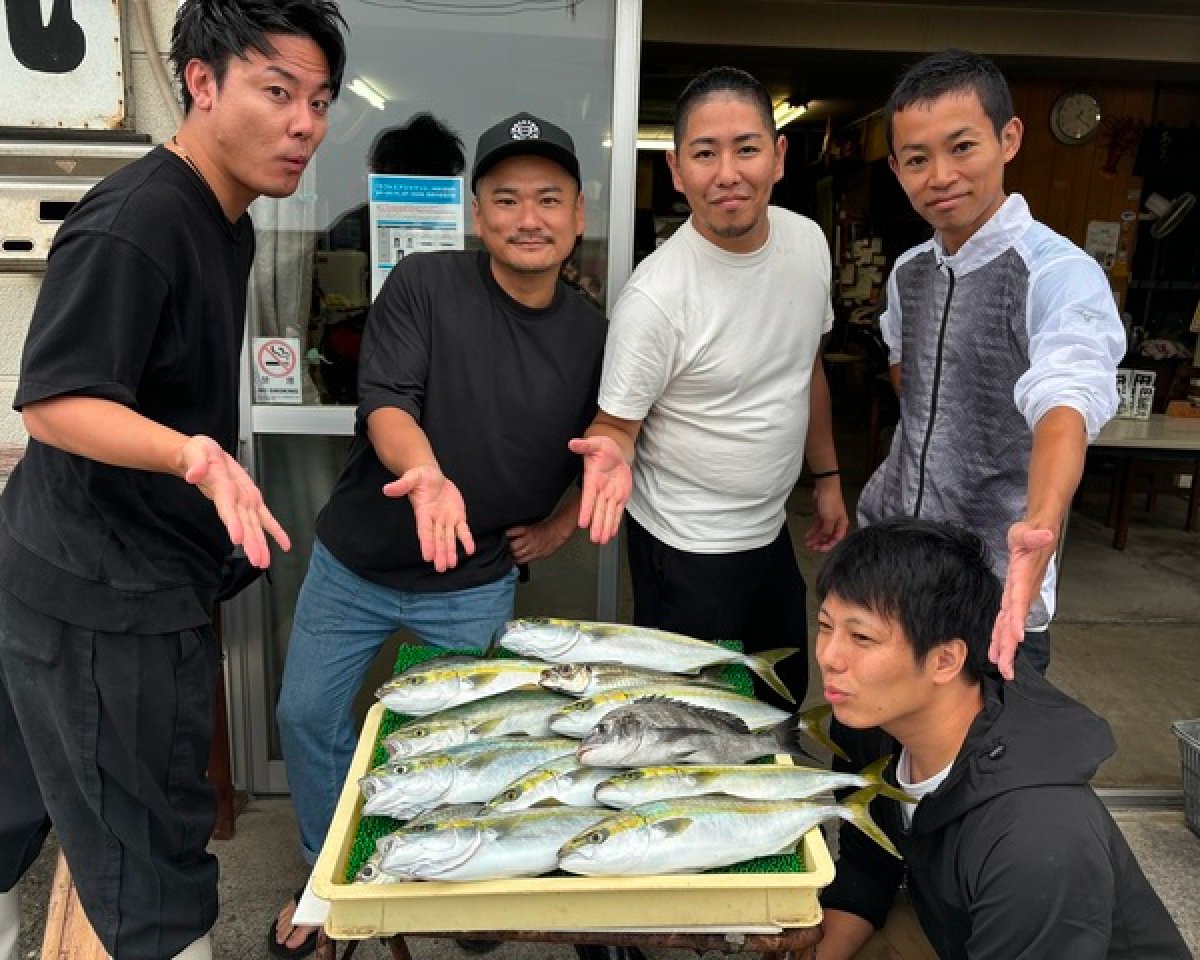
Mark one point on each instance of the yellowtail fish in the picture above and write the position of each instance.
(418, 693)
(589, 679)
(585, 641)
(760, 781)
(473, 772)
(487, 847)
(564, 781)
(701, 833)
(519, 712)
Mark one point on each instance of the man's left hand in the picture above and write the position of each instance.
(537, 541)
(238, 501)
(830, 521)
(1029, 551)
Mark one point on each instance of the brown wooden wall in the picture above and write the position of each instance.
(1066, 186)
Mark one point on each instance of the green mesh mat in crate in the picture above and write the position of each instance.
(370, 829)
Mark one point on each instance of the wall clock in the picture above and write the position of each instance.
(1075, 117)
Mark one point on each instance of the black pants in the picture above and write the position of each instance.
(107, 737)
(1035, 648)
(754, 596)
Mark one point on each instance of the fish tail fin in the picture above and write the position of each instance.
(854, 809)
(763, 663)
(810, 722)
(785, 735)
(873, 774)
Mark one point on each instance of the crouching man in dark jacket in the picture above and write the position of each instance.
(1008, 852)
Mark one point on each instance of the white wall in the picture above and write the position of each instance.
(149, 113)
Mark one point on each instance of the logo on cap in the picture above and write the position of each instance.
(525, 130)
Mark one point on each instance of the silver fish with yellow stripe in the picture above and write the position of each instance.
(564, 781)
(701, 833)
(760, 781)
(418, 693)
(473, 772)
(487, 847)
(586, 641)
(519, 712)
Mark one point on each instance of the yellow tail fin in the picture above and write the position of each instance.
(854, 810)
(873, 774)
(763, 663)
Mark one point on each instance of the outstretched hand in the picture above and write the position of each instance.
(607, 484)
(239, 503)
(440, 512)
(1029, 551)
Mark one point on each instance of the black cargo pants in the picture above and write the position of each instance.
(107, 737)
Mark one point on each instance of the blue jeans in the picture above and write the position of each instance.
(340, 623)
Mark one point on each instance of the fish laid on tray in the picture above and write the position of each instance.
(563, 781)
(468, 773)
(419, 692)
(702, 833)
(519, 712)
(761, 781)
(486, 847)
(589, 679)
(579, 717)
(372, 871)
(659, 731)
(584, 641)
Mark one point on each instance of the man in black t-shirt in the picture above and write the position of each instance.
(476, 370)
(117, 525)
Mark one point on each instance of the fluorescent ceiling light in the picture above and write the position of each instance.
(654, 143)
(361, 87)
(785, 112)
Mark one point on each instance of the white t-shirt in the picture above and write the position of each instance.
(713, 352)
(916, 790)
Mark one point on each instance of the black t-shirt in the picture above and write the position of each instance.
(143, 304)
(499, 389)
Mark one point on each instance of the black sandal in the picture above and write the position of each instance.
(306, 947)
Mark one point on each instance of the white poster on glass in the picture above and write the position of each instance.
(412, 215)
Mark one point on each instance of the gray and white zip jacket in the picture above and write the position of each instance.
(1017, 322)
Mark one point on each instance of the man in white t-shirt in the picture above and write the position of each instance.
(713, 394)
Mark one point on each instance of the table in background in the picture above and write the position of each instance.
(1132, 442)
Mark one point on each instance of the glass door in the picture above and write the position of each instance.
(469, 65)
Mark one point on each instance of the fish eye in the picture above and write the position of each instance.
(597, 836)
(418, 732)
(367, 872)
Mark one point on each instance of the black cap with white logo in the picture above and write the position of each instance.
(524, 135)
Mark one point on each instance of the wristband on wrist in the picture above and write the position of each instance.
(826, 473)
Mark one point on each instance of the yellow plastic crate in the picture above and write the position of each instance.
(675, 902)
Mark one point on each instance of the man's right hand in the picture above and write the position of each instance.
(440, 512)
(607, 485)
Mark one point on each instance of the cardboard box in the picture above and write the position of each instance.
(676, 902)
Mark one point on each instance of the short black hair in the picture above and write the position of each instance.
(215, 30)
(728, 80)
(934, 579)
(951, 71)
(424, 146)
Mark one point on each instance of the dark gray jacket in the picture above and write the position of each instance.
(1017, 322)
(1013, 856)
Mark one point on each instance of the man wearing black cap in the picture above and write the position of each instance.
(476, 370)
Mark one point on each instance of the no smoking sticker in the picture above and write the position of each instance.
(276, 370)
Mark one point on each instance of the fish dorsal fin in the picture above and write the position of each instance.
(673, 826)
(734, 723)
